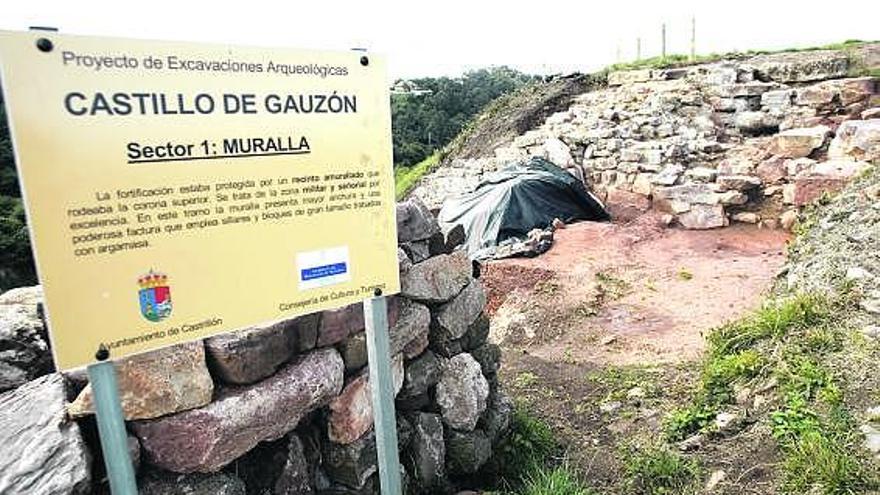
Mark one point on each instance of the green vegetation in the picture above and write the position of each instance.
(16, 264)
(427, 113)
(406, 178)
(679, 60)
(528, 461)
(555, 481)
(616, 382)
(789, 341)
(610, 286)
(733, 356)
(527, 450)
(658, 470)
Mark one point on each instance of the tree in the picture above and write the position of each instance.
(432, 111)
(16, 261)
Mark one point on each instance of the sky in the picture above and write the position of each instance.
(449, 37)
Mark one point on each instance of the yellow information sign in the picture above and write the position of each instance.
(176, 191)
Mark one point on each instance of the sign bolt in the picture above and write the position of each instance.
(377, 292)
(365, 61)
(103, 353)
(44, 45)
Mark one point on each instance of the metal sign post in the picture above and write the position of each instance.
(111, 426)
(382, 389)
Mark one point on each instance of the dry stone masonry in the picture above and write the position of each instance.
(746, 140)
(282, 408)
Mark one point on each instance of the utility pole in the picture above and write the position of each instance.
(638, 49)
(693, 37)
(663, 40)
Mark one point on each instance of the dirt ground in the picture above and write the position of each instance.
(632, 293)
(602, 335)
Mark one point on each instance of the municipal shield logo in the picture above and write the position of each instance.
(155, 296)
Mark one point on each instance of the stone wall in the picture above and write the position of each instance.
(739, 139)
(282, 408)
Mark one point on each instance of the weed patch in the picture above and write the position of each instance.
(658, 470)
(526, 452)
(560, 480)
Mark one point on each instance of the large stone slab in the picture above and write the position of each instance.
(438, 279)
(351, 413)
(702, 217)
(705, 194)
(414, 221)
(157, 383)
(462, 392)
(755, 123)
(251, 354)
(206, 439)
(41, 452)
(452, 320)
(857, 140)
(800, 142)
(824, 178)
(802, 66)
(24, 349)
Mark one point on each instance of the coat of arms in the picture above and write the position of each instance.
(155, 296)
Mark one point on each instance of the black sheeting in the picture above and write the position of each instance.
(518, 198)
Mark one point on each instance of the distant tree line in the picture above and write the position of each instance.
(427, 113)
(16, 263)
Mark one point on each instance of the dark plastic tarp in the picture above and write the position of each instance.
(520, 197)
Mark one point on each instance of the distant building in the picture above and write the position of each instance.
(404, 87)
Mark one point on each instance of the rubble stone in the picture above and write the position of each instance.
(42, 452)
(462, 392)
(208, 438)
(157, 383)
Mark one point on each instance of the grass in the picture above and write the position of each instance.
(555, 481)
(733, 357)
(791, 339)
(617, 381)
(528, 449)
(658, 470)
(611, 287)
(406, 178)
(528, 461)
(679, 60)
